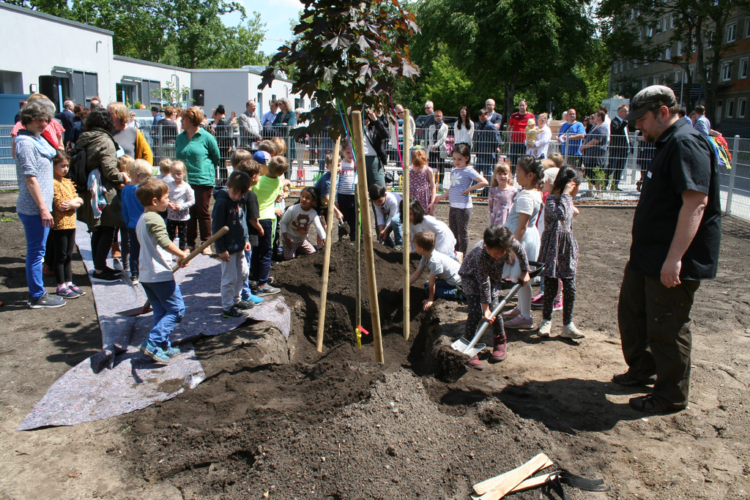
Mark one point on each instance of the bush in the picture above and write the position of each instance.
(137, 105)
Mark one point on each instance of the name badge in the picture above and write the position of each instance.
(648, 174)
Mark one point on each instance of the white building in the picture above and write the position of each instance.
(66, 59)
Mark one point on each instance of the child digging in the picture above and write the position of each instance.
(63, 233)
(559, 251)
(155, 270)
(229, 210)
(481, 274)
(295, 225)
(387, 215)
(181, 198)
(132, 209)
(444, 280)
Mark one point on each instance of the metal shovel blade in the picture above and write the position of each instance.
(462, 345)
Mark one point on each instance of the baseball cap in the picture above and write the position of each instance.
(651, 97)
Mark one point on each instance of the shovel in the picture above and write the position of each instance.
(147, 306)
(471, 348)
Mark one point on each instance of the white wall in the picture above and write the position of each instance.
(40, 44)
(279, 88)
(222, 86)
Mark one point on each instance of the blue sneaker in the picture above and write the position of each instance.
(171, 352)
(154, 352)
(254, 299)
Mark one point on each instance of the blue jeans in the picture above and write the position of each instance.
(442, 290)
(396, 229)
(135, 251)
(260, 260)
(169, 309)
(246, 291)
(36, 243)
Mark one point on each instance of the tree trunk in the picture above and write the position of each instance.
(510, 95)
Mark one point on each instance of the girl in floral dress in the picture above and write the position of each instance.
(422, 181)
(559, 251)
(502, 193)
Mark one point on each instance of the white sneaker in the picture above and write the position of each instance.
(546, 328)
(571, 332)
(117, 264)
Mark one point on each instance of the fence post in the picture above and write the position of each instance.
(732, 175)
(565, 145)
(636, 167)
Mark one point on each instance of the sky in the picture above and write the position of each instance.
(276, 14)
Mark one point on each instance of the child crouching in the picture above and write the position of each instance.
(444, 280)
(481, 274)
(155, 270)
(229, 210)
(296, 222)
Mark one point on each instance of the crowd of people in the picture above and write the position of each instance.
(109, 184)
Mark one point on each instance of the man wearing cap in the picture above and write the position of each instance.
(676, 238)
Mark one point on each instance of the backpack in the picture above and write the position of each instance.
(77, 169)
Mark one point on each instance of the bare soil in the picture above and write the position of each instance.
(337, 425)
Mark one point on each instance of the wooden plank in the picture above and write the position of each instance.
(534, 482)
(499, 486)
(405, 223)
(359, 139)
(327, 255)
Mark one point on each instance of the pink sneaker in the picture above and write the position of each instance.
(538, 301)
(512, 313)
(520, 322)
(476, 363)
(557, 306)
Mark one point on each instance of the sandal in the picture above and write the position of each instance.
(649, 404)
(627, 380)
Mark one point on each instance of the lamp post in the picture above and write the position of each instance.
(684, 65)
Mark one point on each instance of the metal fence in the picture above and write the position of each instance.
(613, 171)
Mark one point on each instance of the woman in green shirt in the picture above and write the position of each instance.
(198, 150)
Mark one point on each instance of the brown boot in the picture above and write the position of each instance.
(499, 349)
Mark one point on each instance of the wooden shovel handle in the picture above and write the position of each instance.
(218, 234)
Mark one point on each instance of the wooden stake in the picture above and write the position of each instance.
(405, 223)
(372, 287)
(355, 231)
(327, 257)
(499, 486)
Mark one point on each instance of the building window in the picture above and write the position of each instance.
(743, 67)
(650, 32)
(731, 33)
(260, 104)
(741, 105)
(671, 21)
(628, 65)
(730, 108)
(656, 80)
(677, 76)
(635, 64)
(726, 72)
(614, 68)
(668, 54)
(679, 49)
(622, 65)
(644, 83)
(747, 27)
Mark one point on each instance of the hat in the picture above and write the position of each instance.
(551, 174)
(651, 97)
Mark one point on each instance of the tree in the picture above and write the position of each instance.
(346, 54)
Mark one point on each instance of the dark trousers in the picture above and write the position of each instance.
(260, 260)
(134, 255)
(348, 208)
(569, 298)
(65, 245)
(655, 331)
(200, 216)
(474, 318)
(101, 243)
(180, 227)
(517, 149)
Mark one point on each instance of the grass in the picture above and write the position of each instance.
(8, 219)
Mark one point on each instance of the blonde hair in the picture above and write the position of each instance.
(278, 165)
(280, 146)
(419, 158)
(548, 164)
(125, 163)
(177, 165)
(34, 97)
(499, 167)
(558, 159)
(543, 115)
(141, 167)
(165, 165)
(267, 146)
(120, 111)
(425, 240)
(240, 155)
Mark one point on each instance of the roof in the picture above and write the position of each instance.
(59, 20)
(149, 63)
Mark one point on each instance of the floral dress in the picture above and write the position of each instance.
(559, 249)
(500, 202)
(419, 186)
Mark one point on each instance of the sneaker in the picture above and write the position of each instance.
(244, 305)
(499, 350)
(520, 322)
(650, 404)
(77, 290)
(538, 301)
(267, 289)
(113, 271)
(399, 248)
(475, 363)
(254, 299)
(116, 263)
(154, 352)
(512, 313)
(134, 279)
(105, 277)
(234, 312)
(171, 352)
(67, 293)
(571, 332)
(557, 306)
(46, 301)
(546, 328)
(47, 271)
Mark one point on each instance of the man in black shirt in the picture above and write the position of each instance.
(676, 238)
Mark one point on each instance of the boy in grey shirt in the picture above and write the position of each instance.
(445, 282)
